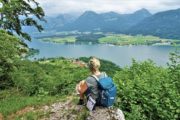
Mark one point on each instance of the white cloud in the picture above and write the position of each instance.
(54, 7)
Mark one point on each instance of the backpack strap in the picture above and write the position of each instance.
(97, 79)
(105, 75)
(99, 88)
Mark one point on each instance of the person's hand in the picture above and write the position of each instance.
(77, 91)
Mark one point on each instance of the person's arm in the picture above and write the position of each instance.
(82, 87)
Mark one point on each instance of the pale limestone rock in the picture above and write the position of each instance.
(101, 113)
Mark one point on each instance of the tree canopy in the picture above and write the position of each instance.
(18, 13)
(11, 50)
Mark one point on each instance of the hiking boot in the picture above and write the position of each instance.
(81, 102)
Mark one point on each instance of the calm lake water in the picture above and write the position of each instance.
(121, 55)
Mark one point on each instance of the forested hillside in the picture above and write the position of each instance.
(164, 24)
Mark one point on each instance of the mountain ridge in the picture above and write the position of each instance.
(163, 24)
(106, 22)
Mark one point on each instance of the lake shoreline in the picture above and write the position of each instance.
(120, 55)
(110, 39)
(109, 44)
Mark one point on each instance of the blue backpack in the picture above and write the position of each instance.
(107, 92)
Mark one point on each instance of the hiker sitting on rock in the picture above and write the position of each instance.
(98, 88)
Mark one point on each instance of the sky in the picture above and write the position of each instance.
(55, 7)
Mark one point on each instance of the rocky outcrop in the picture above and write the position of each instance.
(106, 114)
(69, 110)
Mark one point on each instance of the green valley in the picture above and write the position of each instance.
(115, 39)
(69, 39)
(133, 40)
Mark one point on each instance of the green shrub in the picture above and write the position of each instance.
(146, 91)
(174, 69)
(10, 50)
(53, 76)
(29, 77)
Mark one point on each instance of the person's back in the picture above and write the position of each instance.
(95, 87)
(90, 85)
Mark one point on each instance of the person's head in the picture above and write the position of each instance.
(94, 64)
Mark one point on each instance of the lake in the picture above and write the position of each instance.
(121, 55)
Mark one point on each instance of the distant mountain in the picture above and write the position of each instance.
(106, 22)
(124, 21)
(92, 21)
(163, 24)
(110, 15)
(86, 22)
(53, 23)
(56, 22)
